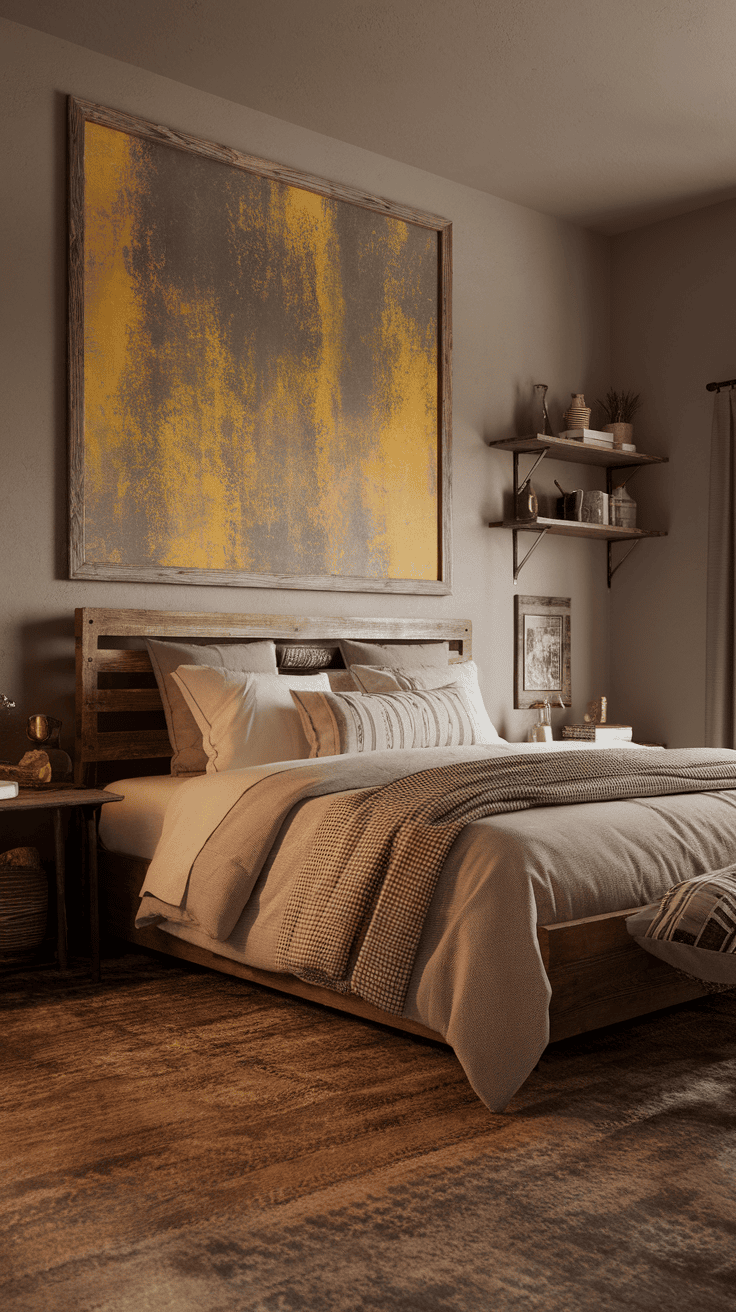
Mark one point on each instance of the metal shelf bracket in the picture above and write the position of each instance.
(519, 487)
(519, 565)
(611, 567)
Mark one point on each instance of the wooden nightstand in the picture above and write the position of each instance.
(57, 800)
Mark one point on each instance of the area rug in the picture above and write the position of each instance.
(180, 1141)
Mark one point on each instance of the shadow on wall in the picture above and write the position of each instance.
(47, 662)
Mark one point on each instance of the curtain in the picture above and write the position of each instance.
(720, 657)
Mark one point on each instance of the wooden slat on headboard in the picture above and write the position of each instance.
(100, 663)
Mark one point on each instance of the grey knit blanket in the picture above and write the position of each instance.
(355, 917)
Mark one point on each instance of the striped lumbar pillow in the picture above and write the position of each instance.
(336, 723)
(375, 678)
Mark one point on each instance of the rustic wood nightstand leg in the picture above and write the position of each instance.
(90, 814)
(60, 888)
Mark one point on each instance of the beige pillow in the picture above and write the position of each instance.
(184, 736)
(335, 723)
(246, 719)
(396, 655)
(373, 679)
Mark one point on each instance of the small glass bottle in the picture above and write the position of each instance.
(541, 732)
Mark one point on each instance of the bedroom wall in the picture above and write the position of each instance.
(531, 303)
(674, 288)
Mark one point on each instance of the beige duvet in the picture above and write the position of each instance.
(478, 977)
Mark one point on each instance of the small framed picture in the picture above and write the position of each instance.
(542, 650)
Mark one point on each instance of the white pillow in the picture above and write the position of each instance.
(246, 719)
(374, 679)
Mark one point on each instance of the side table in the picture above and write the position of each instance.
(57, 800)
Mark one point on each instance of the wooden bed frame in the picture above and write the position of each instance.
(598, 974)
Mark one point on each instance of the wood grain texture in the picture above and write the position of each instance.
(97, 625)
(577, 453)
(601, 976)
(121, 878)
(572, 528)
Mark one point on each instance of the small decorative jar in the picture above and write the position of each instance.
(622, 508)
(595, 508)
(578, 413)
(527, 504)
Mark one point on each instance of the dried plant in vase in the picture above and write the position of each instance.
(619, 409)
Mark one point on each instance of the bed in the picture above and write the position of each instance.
(595, 971)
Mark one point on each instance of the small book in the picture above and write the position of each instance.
(588, 435)
(598, 733)
(8, 788)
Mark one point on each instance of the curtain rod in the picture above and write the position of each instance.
(716, 387)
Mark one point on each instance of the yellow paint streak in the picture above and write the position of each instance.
(205, 456)
(187, 467)
(312, 385)
(111, 310)
(400, 482)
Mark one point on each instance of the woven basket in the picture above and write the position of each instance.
(23, 908)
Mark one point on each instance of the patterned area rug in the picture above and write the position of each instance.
(179, 1141)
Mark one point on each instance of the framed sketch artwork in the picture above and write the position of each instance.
(542, 650)
(259, 377)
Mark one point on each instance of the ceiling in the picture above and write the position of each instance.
(608, 114)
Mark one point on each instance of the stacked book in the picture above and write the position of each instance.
(595, 437)
(591, 436)
(598, 733)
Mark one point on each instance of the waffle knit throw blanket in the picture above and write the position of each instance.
(355, 918)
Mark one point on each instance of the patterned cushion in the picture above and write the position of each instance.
(693, 928)
(302, 658)
(374, 678)
(336, 723)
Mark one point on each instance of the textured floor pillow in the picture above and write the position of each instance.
(693, 928)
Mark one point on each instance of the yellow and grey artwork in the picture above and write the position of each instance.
(260, 372)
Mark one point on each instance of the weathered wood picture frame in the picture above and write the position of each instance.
(541, 650)
(259, 370)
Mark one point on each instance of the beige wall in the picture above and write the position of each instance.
(530, 304)
(674, 290)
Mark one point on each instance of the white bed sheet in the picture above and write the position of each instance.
(134, 825)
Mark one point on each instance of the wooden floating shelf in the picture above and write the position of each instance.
(573, 528)
(579, 453)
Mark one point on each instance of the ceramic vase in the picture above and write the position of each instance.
(623, 509)
(577, 414)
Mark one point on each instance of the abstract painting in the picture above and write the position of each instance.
(259, 371)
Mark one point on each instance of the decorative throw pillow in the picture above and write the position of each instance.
(246, 719)
(374, 678)
(693, 928)
(335, 723)
(293, 657)
(184, 736)
(396, 655)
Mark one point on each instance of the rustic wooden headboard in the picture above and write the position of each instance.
(119, 716)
